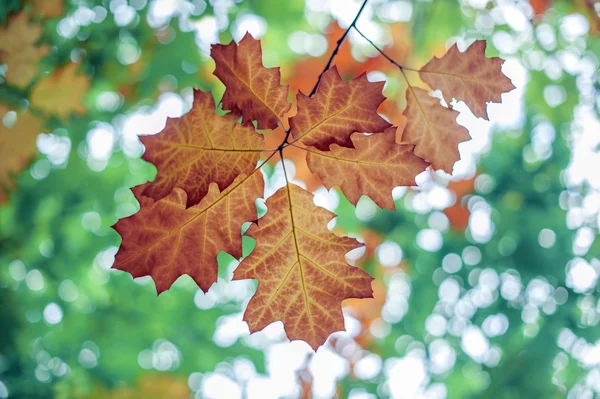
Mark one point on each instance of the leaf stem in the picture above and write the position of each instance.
(287, 181)
(337, 47)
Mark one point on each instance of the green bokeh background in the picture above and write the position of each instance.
(56, 229)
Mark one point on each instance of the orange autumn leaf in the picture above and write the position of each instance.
(152, 386)
(251, 90)
(166, 240)
(366, 312)
(301, 270)
(19, 50)
(17, 146)
(393, 113)
(433, 130)
(305, 74)
(372, 240)
(540, 6)
(199, 148)
(373, 167)
(61, 93)
(337, 110)
(458, 214)
(468, 77)
(48, 8)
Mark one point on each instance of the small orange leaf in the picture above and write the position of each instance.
(457, 214)
(468, 77)
(152, 386)
(373, 167)
(337, 110)
(366, 312)
(199, 148)
(301, 270)
(433, 130)
(18, 50)
(17, 146)
(48, 8)
(62, 92)
(540, 6)
(251, 90)
(166, 240)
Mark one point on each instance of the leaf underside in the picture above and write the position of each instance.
(301, 270)
(337, 110)
(198, 149)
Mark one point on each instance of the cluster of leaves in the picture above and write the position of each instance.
(208, 180)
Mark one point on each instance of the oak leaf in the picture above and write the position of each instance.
(18, 50)
(251, 90)
(48, 8)
(165, 239)
(458, 214)
(540, 6)
(301, 270)
(61, 93)
(200, 148)
(148, 386)
(468, 77)
(17, 146)
(433, 129)
(337, 110)
(373, 167)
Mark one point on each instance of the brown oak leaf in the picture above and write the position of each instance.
(48, 8)
(433, 130)
(62, 93)
(468, 77)
(198, 149)
(373, 167)
(17, 146)
(18, 50)
(337, 110)
(301, 270)
(166, 240)
(251, 90)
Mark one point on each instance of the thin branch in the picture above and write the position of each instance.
(387, 57)
(337, 48)
(285, 143)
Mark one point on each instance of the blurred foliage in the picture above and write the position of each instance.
(73, 329)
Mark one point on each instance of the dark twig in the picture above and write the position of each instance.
(337, 48)
(285, 143)
(387, 57)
